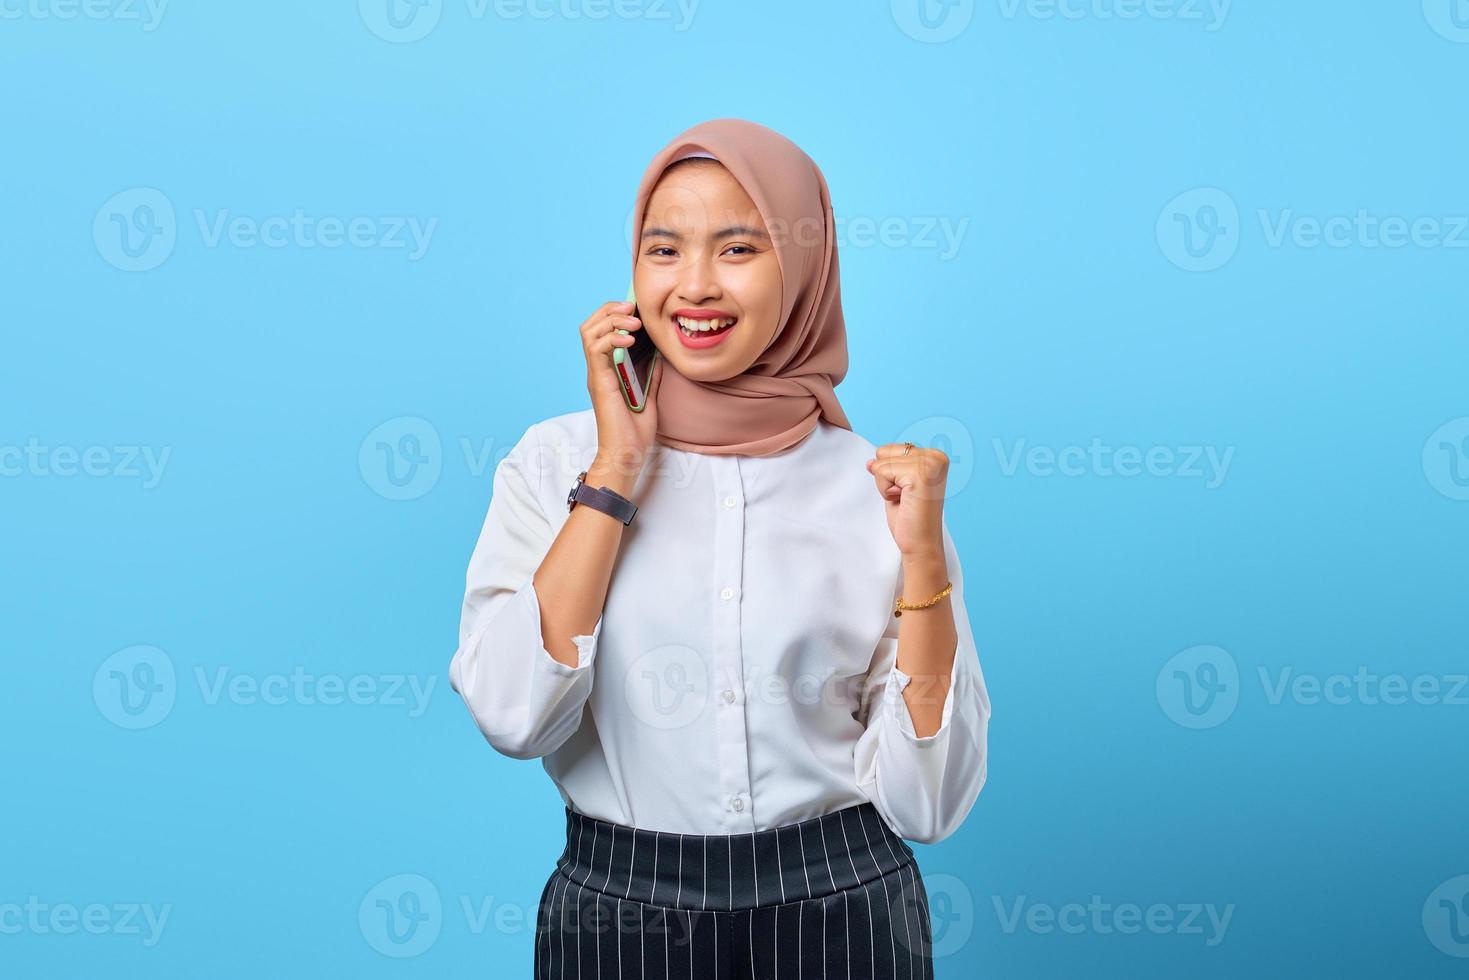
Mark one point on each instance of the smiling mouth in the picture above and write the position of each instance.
(704, 328)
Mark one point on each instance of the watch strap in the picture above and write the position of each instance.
(608, 501)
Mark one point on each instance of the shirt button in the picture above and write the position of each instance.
(731, 500)
(726, 593)
(739, 804)
(729, 697)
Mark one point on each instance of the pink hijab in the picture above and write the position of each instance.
(779, 398)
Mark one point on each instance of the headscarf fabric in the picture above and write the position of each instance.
(779, 399)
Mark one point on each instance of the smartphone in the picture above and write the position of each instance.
(634, 365)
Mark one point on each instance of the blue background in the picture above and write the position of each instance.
(1074, 309)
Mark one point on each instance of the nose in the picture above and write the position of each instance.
(697, 282)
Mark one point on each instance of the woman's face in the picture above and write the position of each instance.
(706, 258)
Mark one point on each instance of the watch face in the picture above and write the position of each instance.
(571, 497)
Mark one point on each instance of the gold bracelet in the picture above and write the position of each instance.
(900, 605)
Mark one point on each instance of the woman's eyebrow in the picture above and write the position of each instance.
(733, 230)
(729, 232)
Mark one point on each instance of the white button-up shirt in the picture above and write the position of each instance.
(743, 673)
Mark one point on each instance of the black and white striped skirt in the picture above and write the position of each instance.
(834, 896)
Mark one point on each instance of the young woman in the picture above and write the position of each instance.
(786, 682)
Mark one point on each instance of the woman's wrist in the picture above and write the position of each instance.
(923, 575)
(618, 471)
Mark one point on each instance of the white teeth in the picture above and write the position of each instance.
(703, 326)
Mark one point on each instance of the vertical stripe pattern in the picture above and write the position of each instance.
(836, 896)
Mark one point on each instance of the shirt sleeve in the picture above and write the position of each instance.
(925, 787)
(526, 702)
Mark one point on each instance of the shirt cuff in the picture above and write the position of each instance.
(586, 644)
(900, 714)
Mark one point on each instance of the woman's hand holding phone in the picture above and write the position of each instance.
(624, 437)
(572, 580)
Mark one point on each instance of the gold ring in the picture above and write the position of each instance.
(907, 448)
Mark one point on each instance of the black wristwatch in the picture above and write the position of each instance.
(607, 501)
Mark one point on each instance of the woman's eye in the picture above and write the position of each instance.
(747, 249)
(660, 250)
